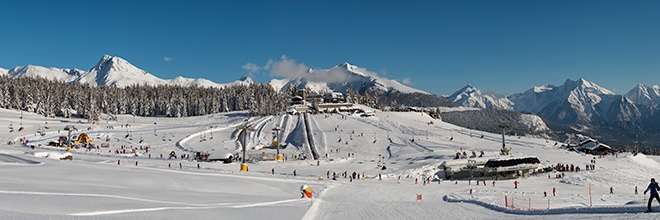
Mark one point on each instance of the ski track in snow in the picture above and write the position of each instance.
(386, 199)
(208, 206)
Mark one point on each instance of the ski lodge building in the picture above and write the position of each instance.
(489, 169)
(591, 146)
(327, 102)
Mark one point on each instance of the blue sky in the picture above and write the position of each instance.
(437, 46)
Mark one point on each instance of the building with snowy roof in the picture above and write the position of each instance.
(591, 146)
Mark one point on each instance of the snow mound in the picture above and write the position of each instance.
(645, 161)
(53, 155)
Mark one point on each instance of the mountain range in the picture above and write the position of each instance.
(342, 77)
(115, 71)
(580, 106)
(575, 106)
(111, 71)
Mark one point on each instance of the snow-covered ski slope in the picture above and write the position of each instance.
(108, 183)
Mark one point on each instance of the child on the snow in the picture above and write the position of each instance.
(653, 187)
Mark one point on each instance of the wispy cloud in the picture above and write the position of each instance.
(167, 59)
(407, 81)
(251, 67)
(383, 72)
(289, 68)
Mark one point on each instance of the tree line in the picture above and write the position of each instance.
(60, 99)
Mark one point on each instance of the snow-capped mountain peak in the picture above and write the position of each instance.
(342, 77)
(246, 79)
(574, 101)
(113, 70)
(46, 73)
(110, 71)
(645, 95)
(116, 64)
(470, 96)
(586, 86)
(351, 68)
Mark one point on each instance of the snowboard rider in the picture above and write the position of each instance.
(653, 187)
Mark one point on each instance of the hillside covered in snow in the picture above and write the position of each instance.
(127, 170)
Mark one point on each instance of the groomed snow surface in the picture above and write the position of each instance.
(110, 183)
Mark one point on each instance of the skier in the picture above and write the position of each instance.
(653, 187)
(554, 191)
(272, 171)
(516, 184)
